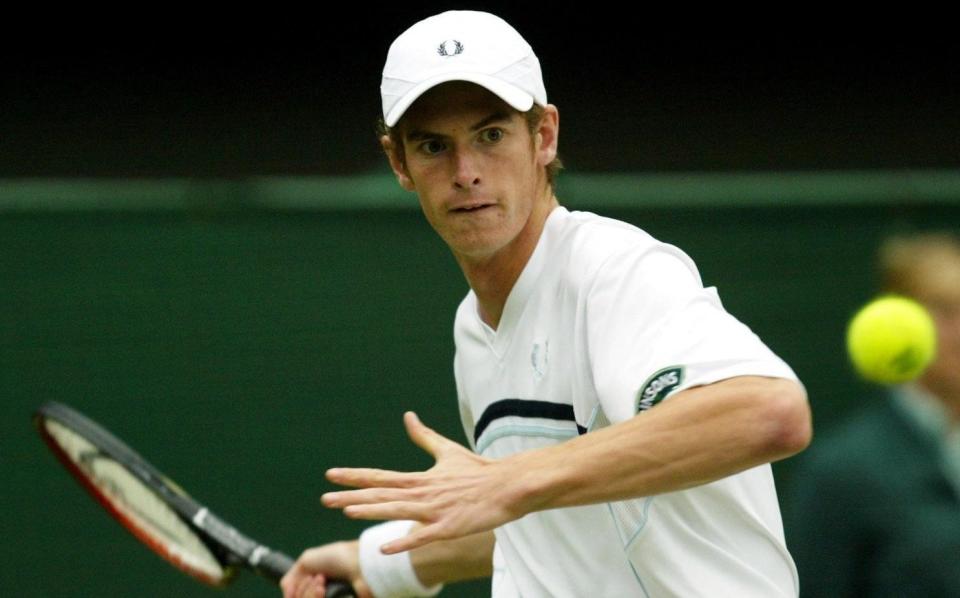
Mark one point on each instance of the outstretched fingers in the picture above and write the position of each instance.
(360, 477)
(426, 438)
(451, 499)
(389, 511)
(368, 496)
(418, 537)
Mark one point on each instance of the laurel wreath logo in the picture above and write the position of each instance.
(451, 47)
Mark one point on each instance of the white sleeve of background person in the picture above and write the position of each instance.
(654, 330)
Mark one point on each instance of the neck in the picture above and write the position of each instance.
(492, 277)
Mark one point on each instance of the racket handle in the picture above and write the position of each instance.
(338, 589)
(273, 565)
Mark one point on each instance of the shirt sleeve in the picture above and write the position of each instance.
(653, 330)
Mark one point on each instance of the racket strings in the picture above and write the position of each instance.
(137, 506)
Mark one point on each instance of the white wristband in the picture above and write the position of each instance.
(390, 576)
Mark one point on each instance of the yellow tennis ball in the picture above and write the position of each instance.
(891, 340)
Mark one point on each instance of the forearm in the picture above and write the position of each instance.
(696, 437)
(446, 561)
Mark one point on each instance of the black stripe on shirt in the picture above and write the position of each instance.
(522, 408)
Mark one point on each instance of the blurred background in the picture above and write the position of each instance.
(202, 248)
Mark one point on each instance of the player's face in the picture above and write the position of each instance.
(946, 366)
(476, 168)
(942, 296)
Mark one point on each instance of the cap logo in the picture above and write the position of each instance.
(451, 47)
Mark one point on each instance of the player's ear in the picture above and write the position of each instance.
(397, 164)
(547, 135)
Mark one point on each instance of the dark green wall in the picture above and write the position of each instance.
(245, 351)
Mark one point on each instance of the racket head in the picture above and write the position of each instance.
(144, 501)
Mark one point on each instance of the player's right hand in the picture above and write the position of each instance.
(308, 576)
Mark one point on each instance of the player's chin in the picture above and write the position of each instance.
(476, 251)
(472, 239)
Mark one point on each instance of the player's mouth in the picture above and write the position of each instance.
(471, 207)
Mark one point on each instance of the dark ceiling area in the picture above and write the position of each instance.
(299, 96)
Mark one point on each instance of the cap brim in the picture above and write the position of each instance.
(511, 94)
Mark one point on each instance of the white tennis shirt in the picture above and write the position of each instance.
(603, 323)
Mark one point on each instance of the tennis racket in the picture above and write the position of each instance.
(153, 508)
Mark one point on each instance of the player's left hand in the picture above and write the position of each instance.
(462, 494)
(308, 576)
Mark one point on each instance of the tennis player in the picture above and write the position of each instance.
(620, 422)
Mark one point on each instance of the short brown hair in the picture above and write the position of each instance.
(532, 118)
(921, 265)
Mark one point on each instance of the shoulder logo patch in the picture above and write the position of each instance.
(658, 386)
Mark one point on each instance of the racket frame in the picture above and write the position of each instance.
(228, 546)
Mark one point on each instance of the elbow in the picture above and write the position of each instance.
(788, 420)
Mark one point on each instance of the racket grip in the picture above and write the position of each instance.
(273, 564)
(339, 589)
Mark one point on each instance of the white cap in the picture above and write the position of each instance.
(460, 46)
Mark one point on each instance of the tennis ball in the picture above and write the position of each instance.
(891, 340)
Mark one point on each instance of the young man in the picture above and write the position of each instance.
(621, 421)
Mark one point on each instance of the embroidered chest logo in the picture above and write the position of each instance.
(451, 47)
(539, 357)
(658, 386)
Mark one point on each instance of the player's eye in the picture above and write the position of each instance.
(431, 147)
(491, 135)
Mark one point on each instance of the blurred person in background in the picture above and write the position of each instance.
(873, 508)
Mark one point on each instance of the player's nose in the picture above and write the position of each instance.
(466, 169)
